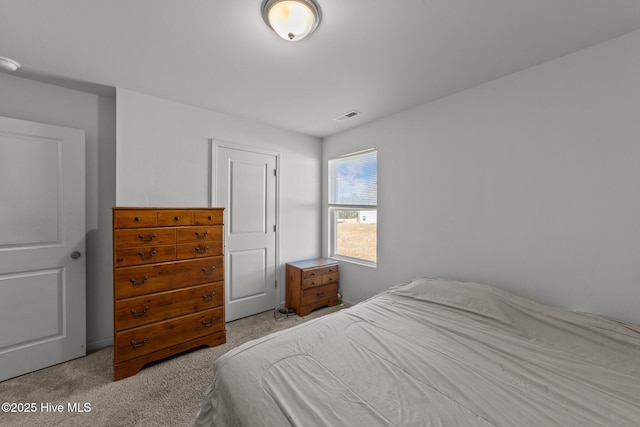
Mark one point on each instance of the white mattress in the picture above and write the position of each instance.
(433, 352)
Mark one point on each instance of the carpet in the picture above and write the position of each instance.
(166, 393)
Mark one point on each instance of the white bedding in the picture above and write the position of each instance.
(433, 352)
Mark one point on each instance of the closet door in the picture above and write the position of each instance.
(42, 246)
(246, 188)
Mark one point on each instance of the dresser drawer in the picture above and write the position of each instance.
(174, 218)
(144, 237)
(134, 218)
(147, 339)
(144, 255)
(319, 293)
(197, 250)
(320, 280)
(211, 235)
(207, 217)
(136, 281)
(138, 311)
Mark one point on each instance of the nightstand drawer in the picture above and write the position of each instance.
(314, 273)
(319, 293)
(320, 280)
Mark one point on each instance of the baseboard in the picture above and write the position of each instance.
(96, 345)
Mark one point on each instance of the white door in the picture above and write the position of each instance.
(42, 246)
(246, 188)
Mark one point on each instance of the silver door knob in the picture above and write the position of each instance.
(75, 254)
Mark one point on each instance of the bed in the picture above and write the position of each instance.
(434, 352)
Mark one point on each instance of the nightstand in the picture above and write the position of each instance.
(311, 284)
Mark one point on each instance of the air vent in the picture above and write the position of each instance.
(346, 116)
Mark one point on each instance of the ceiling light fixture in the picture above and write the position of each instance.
(8, 64)
(292, 20)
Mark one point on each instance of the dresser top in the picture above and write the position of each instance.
(140, 208)
(311, 263)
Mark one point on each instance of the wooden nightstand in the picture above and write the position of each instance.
(311, 284)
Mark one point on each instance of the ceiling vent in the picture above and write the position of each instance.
(346, 116)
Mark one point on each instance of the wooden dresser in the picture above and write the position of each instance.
(311, 284)
(168, 283)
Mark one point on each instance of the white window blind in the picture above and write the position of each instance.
(354, 180)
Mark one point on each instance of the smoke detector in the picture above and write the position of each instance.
(8, 64)
(346, 116)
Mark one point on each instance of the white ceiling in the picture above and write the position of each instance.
(375, 56)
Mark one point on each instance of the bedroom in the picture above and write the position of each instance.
(526, 181)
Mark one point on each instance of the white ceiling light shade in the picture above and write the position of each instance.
(8, 64)
(292, 20)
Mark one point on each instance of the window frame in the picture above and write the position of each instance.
(332, 209)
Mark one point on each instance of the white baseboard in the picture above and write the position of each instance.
(96, 345)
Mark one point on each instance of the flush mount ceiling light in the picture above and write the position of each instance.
(8, 64)
(292, 20)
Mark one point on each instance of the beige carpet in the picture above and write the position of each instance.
(166, 393)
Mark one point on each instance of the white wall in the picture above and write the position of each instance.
(164, 159)
(39, 102)
(530, 182)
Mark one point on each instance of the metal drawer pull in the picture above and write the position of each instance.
(136, 219)
(143, 256)
(210, 217)
(208, 324)
(150, 238)
(136, 314)
(208, 297)
(134, 283)
(320, 294)
(199, 249)
(202, 236)
(135, 344)
(176, 218)
(210, 271)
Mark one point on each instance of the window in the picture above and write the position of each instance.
(353, 207)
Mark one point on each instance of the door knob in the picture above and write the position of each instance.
(75, 254)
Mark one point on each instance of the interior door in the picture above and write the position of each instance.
(42, 246)
(246, 188)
